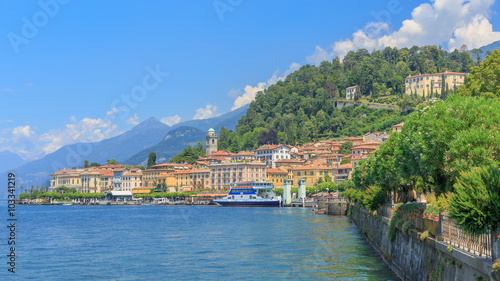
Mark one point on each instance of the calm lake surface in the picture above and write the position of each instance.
(185, 243)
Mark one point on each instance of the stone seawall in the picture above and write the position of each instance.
(413, 258)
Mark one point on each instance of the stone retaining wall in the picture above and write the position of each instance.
(413, 258)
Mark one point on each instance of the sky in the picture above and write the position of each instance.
(82, 71)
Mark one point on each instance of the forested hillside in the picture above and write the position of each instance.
(301, 108)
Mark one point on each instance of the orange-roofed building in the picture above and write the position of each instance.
(276, 176)
(342, 172)
(190, 180)
(311, 173)
(131, 180)
(243, 156)
(355, 140)
(362, 149)
(398, 127)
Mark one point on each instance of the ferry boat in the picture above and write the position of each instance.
(250, 194)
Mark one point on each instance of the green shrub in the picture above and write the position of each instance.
(476, 204)
(431, 211)
(496, 266)
(424, 235)
(374, 198)
(449, 249)
(406, 226)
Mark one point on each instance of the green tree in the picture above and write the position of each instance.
(345, 148)
(484, 80)
(111, 161)
(345, 161)
(86, 164)
(151, 160)
(475, 206)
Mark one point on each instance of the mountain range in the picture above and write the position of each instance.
(131, 147)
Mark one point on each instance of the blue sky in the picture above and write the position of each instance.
(81, 71)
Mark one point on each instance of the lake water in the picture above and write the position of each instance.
(185, 243)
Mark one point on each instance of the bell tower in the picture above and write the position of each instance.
(211, 144)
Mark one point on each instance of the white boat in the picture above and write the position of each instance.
(250, 194)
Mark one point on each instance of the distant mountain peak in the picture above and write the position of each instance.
(150, 123)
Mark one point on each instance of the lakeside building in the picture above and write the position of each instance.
(362, 149)
(310, 173)
(69, 178)
(342, 172)
(276, 176)
(190, 180)
(131, 180)
(223, 174)
(106, 180)
(271, 153)
(91, 181)
(424, 83)
(156, 174)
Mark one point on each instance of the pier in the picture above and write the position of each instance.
(336, 206)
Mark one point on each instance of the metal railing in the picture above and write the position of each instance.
(479, 245)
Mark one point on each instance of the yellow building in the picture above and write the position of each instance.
(91, 182)
(151, 177)
(397, 127)
(422, 84)
(311, 173)
(190, 180)
(276, 176)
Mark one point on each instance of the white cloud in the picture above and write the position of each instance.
(319, 55)
(476, 34)
(251, 91)
(455, 22)
(234, 92)
(22, 133)
(208, 112)
(132, 120)
(111, 114)
(86, 130)
(171, 120)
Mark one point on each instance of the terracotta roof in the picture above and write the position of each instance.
(343, 166)
(399, 125)
(314, 166)
(364, 147)
(351, 87)
(247, 153)
(132, 174)
(171, 165)
(353, 138)
(275, 171)
(191, 171)
(221, 153)
(435, 74)
(110, 166)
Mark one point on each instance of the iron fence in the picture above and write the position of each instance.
(476, 244)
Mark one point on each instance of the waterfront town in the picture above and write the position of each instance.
(218, 169)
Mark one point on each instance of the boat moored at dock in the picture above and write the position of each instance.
(250, 194)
